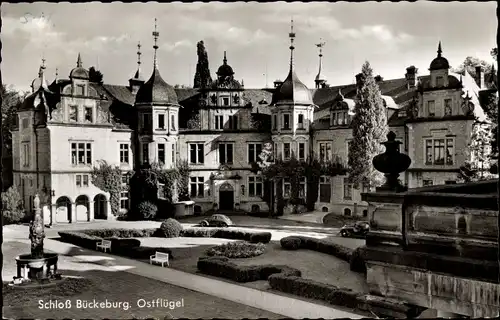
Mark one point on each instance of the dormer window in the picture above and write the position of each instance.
(225, 101)
(79, 90)
(172, 122)
(88, 114)
(73, 113)
(447, 107)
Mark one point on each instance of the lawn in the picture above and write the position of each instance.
(314, 265)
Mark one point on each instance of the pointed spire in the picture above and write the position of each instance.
(156, 34)
(79, 61)
(439, 49)
(292, 47)
(225, 59)
(138, 75)
(320, 45)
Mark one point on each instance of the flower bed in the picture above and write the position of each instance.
(253, 237)
(222, 267)
(240, 249)
(319, 245)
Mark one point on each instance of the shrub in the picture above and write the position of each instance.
(12, 211)
(119, 245)
(147, 210)
(315, 290)
(238, 249)
(222, 267)
(171, 228)
(80, 239)
(236, 234)
(121, 233)
(320, 245)
(356, 261)
(290, 243)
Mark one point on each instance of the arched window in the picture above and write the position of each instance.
(347, 212)
(255, 208)
(462, 225)
(324, 209)
(365, 213)
(197, 210)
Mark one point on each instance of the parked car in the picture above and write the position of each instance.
(216, 220)
(358, 229)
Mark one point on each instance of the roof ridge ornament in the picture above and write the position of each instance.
(79, 61)
(439, 49)
(225, 59)
(156, 34)
(291, 35)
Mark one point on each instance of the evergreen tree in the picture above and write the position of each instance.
(95, 75)
(369, 129)
(202, 78)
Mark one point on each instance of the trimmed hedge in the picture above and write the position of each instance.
(121, 233)
(207, 232)
(238, 249)
(315, 290)
(122, 246)
(222, 267)
(319, 245)
(291, 243)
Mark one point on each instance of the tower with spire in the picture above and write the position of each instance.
(320, 80)
(158, 117)
(439, 70)
(292, 113)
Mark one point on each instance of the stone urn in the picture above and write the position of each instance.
(391, 163)
(37, 265)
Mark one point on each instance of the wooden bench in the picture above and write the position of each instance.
(104, 245)
(159, 257)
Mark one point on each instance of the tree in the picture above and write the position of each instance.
(202, 78)
(11, 100)
(494, 53)
(369, 129)
(95, 75)
(12, 211)
(470, 64)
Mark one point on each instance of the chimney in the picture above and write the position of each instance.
(411, 76)
(480, 77)
(359, 79)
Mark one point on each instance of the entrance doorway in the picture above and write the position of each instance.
(226, 197)
(100, 207)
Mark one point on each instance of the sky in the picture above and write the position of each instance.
(391, 36)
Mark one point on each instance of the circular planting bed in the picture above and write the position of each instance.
(238, 249)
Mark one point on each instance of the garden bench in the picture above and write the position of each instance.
(159, 257)
(104, 245)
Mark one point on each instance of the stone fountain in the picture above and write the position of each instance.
(37, 267)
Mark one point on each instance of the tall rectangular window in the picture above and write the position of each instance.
(124, 203)
(26, 154)
(286, 151)
(173, 153)
(172, 123)
(334, 120)
(161, 121)
(147, 121)
(254, 151)
(287, 188)
(124, 153)
(302, 187)
(301, 121)
(145, 153)
(196, 155)
(85, 180)
(325, 151)
(447, 107)
(88, 114)
(78, 180)
(302, 151)
(81, 153)
(439, 151)
(275, 122)
(197, 187)
(275, 151)
(161, 153)
(80, 90)
(325, 189)
(347, 190)
(431, 108)
(439, 81)
(73, 113)
(233, 122)
(219, 122)
(255, 186)
(225, 153)
(286, 121)
(225, 101)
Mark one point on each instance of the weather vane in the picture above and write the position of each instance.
(139, 54)
(320, 45)
(156, 34)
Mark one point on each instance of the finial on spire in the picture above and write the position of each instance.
(439, 49)
(139, 54)
(320, 45)
(57, 73)
(292, 37)
(79, 61)
(156, 34)
(225, 59)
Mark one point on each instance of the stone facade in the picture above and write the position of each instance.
(90, 121)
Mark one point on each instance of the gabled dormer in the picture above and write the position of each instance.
(79, 77)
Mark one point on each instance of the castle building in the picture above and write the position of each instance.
(66, 127)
